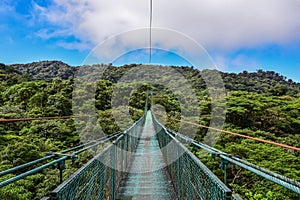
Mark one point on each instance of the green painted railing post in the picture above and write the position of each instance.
(94, 150)
(224, 165)
(101, 194)
(113, 173)
(127, 150)
(61, 166)
(146, 104)
(152, 99)
(179, 189)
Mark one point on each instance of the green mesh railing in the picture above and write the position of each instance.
(227, 159)
(100, 177)
(191, 178)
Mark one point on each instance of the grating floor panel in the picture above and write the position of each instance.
(146, 177)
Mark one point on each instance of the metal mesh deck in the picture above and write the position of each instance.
(146, 177)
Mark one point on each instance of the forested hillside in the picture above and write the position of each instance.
(261, 104)
(46, 69)
(263, 82)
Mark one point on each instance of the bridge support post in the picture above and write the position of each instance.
(178, 163)
(113, 173)
(126, 152)
(61, 166)
(95, 150)
(224, 165)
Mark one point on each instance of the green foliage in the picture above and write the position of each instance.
(260, 104)
(262, 82)
(268, 196)
(20, 153)
(46, 69)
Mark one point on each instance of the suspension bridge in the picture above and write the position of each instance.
(146, 161)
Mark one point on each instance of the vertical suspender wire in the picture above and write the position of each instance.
(150, 31)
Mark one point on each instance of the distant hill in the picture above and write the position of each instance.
(10, 76)
(264, 82)
(46, 69)
(7, 69)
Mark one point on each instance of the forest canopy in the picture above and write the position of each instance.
(262, 104)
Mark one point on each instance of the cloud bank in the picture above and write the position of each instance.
(224, 25)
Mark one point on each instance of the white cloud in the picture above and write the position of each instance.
(241, 60)
(225, 24)
(221, 62)
(74, 45)
(47, 34)
(6, 6)
(237, 63)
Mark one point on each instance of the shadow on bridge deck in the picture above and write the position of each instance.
(147, 177)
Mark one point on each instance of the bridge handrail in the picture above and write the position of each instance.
(269, 175)
(97, 178)
(55, 194)
(8, 171)
(62, 159)
(193, 180)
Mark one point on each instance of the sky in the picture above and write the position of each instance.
(236, 34)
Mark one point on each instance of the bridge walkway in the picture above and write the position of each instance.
(147, 177)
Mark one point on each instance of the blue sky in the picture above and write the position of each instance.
(237, 34)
